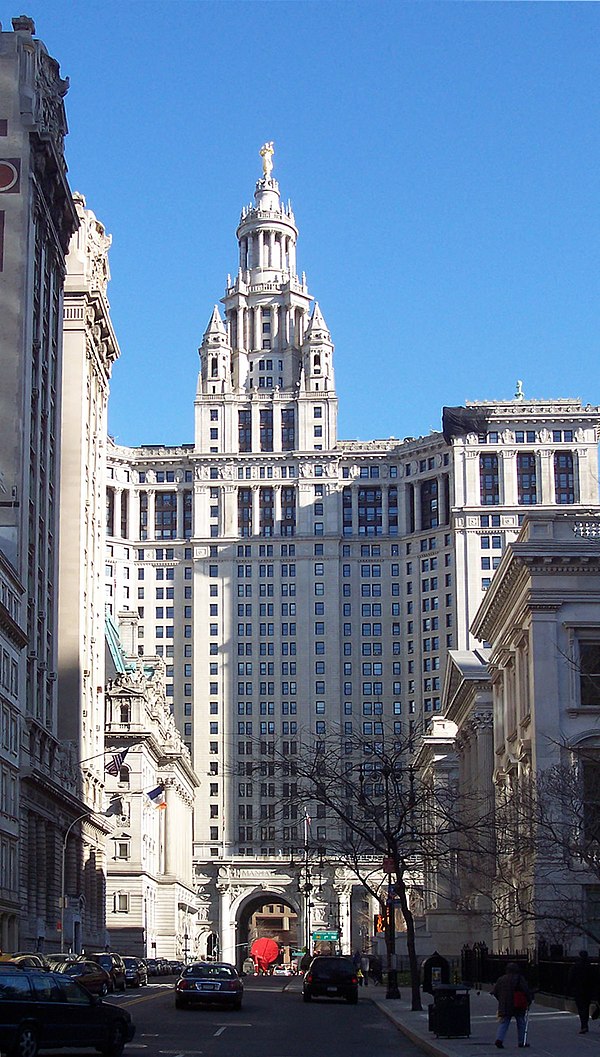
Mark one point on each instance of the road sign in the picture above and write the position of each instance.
(328, 936)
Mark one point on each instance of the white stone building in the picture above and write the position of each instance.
(39, 790)
(152, 907)
(541, 618)
(89, 350)
(295, 583)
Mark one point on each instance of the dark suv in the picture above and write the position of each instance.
(114, 966)
(47, 1010)
(330, 977)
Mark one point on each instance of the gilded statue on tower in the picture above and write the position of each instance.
(266, 152)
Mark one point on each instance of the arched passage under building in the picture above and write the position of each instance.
(269, 915)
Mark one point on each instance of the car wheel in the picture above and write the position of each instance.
(116, 1042)
(306, 996)
(103, 990)
(26, 1043)
(238, 1004)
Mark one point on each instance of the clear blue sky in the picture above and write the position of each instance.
(443, 161)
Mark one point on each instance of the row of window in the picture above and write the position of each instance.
(527, 479)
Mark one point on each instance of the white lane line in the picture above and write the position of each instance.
(219, 1031)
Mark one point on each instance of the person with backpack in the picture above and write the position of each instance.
(514, 998)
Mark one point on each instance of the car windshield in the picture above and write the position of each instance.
(211, 972)
(332, 965)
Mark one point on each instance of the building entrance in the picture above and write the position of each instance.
(268, 916)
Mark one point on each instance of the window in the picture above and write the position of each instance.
(590, 774)
(564, 478)
(526, 479)
(489, 482)
(589, 671)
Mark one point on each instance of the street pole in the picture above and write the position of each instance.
(390, 918)
(63, 895)
(307, 886)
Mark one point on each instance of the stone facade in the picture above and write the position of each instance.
(541, 620)
(152, 906)
(296, 583)
(37, 219)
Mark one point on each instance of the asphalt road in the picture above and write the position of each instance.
(273, 1022)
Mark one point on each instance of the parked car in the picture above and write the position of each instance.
(48, 1010)
(114, 965)
(136, 973)
(330, 977)
(25, 961)
(203, 983)
(90, 975)
(152, 964)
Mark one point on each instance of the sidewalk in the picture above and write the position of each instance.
(552, 1032)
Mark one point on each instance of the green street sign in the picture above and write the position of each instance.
(329, 936)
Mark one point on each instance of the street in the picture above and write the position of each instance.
(273, 1022)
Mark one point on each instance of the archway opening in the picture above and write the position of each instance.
(269, 916)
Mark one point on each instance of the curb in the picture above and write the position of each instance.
(427, 1045)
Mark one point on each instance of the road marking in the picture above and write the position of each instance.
(220, 1031)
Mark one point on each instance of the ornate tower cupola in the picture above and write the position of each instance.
(215, 357)
(317, 355)
(266, 305)
(266, 381)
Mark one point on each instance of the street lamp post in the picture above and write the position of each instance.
(63, 895)
(113, 807)
(185, 947)
(390, 917)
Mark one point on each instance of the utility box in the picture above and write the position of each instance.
(436, 971)
(450, 1011)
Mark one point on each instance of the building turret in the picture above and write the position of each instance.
(215, 357)
(317, 355)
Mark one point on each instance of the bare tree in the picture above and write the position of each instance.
(384, 823)
(547, 834)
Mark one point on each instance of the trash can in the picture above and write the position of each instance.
(450, 1012)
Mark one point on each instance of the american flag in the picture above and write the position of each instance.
(116, 762)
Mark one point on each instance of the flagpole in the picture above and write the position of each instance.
(107, 752)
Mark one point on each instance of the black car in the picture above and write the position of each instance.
(214, 983)
(114, 966)
(330, 977)
(48, 1010)
(136, 972)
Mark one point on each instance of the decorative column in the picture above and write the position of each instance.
(354, 510)
(384, 510)
(180, 513)
(507, 472)
(134, 513)
(150, 528)
(227, 926)
(255, 510)
(344, 894)
(228, 510)
(276, 425)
